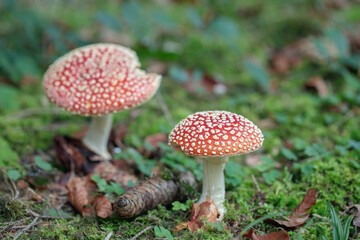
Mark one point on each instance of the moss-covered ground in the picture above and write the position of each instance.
(291, 67)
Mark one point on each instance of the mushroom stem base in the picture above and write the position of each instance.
(96, 138)
(214, 183)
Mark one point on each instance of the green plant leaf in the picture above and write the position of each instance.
(13, 174)
(166, 233)
(8, 98)
(39, 161)
(289, 154)
(258, 73)
(272, 176)
(7, 157)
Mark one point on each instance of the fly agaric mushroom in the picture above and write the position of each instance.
(98, 80)
(214, 136)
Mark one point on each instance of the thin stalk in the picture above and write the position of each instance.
(97, 136)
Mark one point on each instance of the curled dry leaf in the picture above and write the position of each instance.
(299, 215)
(319, 84)
(281, 235)
(80, 193)
(150, 193)
(206, 210)
(102, 206)
(355, 210)
(73, 155)
(109, 172)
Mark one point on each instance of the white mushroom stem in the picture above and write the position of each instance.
(97, 136)
(213, 182)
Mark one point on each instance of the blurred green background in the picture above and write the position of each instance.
(292, 67)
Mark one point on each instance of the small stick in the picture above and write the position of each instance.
(256, 183)
(34, 221)
(108, 236)
(165, 109)
(141, 232)
(320, 217)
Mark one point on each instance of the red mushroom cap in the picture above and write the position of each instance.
(216, 133)
(99, 79)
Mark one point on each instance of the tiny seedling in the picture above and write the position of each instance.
(107, 188)
(181, 206)
(163, 232)
(39, 161)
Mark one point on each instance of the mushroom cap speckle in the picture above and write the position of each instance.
(99, 79)
(216, 133)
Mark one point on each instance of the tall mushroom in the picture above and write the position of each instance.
(98, 80)
(214, 136)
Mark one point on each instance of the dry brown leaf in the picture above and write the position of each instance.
(299, 215)
(73, 155)
(80, 193)
(154, 141)
(102, 206)
(281, 235)
(22, 184)
(355, 210)
(319, 84)
(206, 210)
(109, 172)
(284, 60)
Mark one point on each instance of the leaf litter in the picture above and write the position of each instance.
(206, 212)
(300, 214)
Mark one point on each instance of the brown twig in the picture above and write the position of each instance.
(33, 111)
(18, 234)
(141, 232)
(165, 109)
(256, 183)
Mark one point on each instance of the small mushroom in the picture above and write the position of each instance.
(214, 136)
(98, 80)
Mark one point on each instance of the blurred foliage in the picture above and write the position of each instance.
(264, 53)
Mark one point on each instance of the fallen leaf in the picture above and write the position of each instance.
(319, 84)
(284, 60)
(74, 156)
(109, 172)
(102, 206)
(22, 184)
(281, 235)
(299, 215)
(154, 141)
(80, 193)
(355, 210)
(206, 210)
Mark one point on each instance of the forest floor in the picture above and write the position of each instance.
(291, 67)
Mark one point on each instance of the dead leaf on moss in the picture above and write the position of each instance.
(281, 235)
(109, 172)
(80, 193)
(319, 84)
(206, 210)
(355, 210)
(73, 155)
(102, 206)
(299, 215)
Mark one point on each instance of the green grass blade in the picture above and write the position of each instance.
(347, 227)
(259, 220)
(336, 224)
